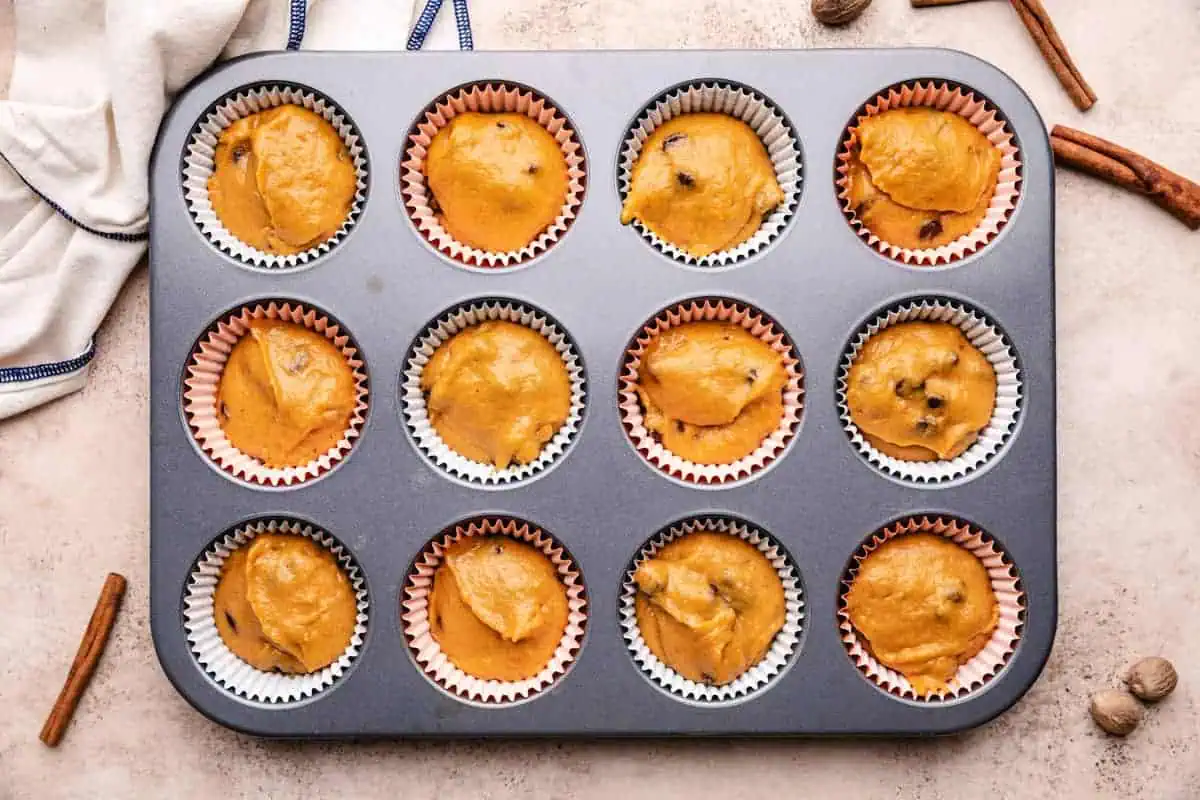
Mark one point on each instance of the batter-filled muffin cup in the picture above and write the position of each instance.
(1005, 584)
(980, 114)
(436, 665)
(202, 384)
(489, 98)
(199, 165)
(633, 413)
(981, 333)
(214, 655)
(741, 103)
(415, 400)
(783, 646)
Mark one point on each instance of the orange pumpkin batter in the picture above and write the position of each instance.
(497, 608)
(925, 607)
(712, 391)
(709, 605)
(702, 182)
(920, 178)
(286, 395)
(497, 392)
(283, 604)
(498, 180)
(919, 391)
(283, 180)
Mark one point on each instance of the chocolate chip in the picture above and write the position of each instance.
(679, 426)
(930, 229)
(712, 587)
(955, 595)
(232, 622)
(674, 140)
(926, 424)
(533, 169)
(501, 125)
(901, 387)
(240, 151)
(954, 358)
(499, 548)
(933, 401)
(685, 179)
(752, 376)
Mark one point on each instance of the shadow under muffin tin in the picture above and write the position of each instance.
(600, 284)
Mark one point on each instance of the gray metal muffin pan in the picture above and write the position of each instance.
(602, 281)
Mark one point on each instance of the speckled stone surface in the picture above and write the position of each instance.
(74, 483)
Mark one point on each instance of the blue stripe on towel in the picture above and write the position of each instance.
(62, 212)
(463, 20)
(424, 22)
(297, 23)
(52, 369)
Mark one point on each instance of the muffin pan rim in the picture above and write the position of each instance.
(350, 711)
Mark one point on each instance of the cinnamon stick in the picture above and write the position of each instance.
(1045, 36)
(931, 3)
(1129, 170)
(95, 637)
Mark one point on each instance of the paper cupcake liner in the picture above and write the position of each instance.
(417, 416)
(742, 103)
(633, 417)
(437, 667)
(783, 648)
(989, 661)
(198, 167)
(494, 97)
(221, 663)
(203, 380)
(980, 113)
(986, 337)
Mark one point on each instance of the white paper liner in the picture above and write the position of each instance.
(414, 615)
(491, 97)
(198, 168)
(986, 337)
(633, 416)
(204, 377)
(416, 413)
(221, 663)
(741, 103)
(989, 661)
(983, 116)
(782, 648)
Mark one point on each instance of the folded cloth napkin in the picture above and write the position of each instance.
(90, 83)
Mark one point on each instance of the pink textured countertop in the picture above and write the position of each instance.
(74, 490)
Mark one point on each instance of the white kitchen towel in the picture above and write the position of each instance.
(90, 83)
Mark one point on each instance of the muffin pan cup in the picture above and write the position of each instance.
(222, 664)
(198, 168)
(954, 99)
(440, 668)
(746, 105)
(600, 283)
(489, 97)
(783, 645)
(974, 673)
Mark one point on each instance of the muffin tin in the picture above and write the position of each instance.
(815, 502)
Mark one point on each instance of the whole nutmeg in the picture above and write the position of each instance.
(1152, 679)
(1116, 711)
(838, 12)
